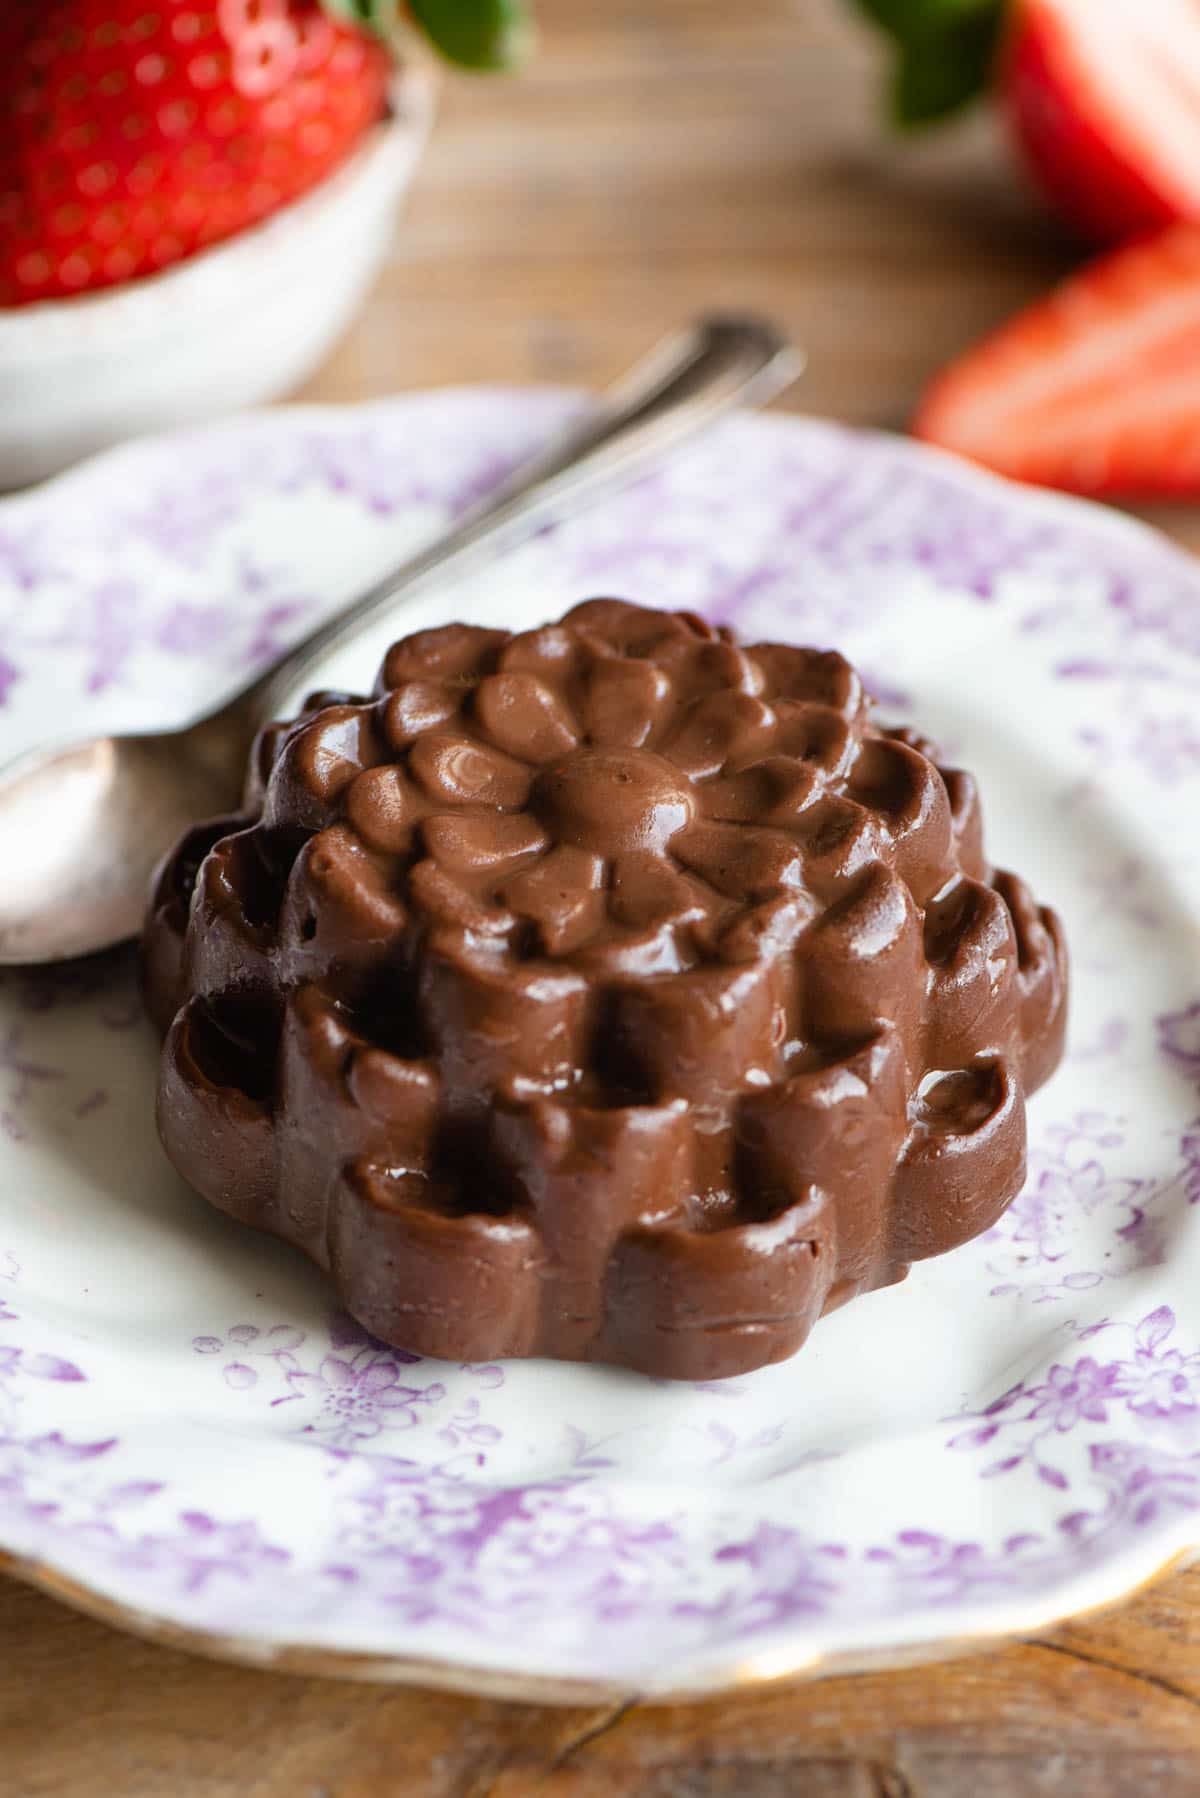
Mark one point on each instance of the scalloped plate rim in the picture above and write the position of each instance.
(746, 1669)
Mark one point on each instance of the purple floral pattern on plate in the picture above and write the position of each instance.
(186, 1429)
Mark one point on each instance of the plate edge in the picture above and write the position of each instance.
(749, 1673)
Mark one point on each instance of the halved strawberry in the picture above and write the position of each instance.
(1095, 389)
(1104, 98)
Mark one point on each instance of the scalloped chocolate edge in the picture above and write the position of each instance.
(606, 992)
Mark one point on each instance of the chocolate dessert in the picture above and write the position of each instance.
(609, 991)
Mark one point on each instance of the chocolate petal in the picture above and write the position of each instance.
(523, 716)
(457, 770)
(718, 729)
(745, 864)
(1041, 979)
(459, 653)
(773, 790)
(623, 702)
(445, 898)
(416, 707)
(477, 843)
(908, 797)
(646, 891)
(561, 895)
(383, 806)
(819, 676)
(316, 763)
(817, 735)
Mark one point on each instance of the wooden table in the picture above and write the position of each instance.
(663, 156)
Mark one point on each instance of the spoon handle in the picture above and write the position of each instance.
(683, 385)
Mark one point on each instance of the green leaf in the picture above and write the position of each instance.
(377, 16)
(940, 72)
(912, 19)
(945, 52)
(478, 34)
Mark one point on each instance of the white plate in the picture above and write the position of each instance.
(190, 1440)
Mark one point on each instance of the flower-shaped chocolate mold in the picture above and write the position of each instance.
(607, 991)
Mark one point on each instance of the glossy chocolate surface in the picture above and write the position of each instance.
(608, 992)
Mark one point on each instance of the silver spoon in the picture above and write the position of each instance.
(81, 827)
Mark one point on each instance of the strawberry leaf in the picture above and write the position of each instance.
(909, 19)
(377, 16)
(477, 34)
(939, 75)
(945, 53)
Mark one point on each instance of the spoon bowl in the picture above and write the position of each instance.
(81, 828)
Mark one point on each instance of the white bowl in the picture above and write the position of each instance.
(239, 324)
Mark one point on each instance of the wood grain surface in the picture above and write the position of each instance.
(663, 156)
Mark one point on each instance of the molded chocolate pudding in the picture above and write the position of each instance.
(609, 991)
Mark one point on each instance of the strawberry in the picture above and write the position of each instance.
(1093, 389)
(133, 133)
(1101, 96)
(1104, 98)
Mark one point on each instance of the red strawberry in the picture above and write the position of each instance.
(135, 132)
(1095, 389)
(1104, 98)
